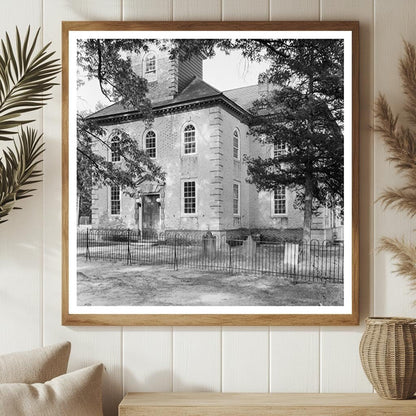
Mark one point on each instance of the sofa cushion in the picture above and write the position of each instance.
(73, 394)
(36, 366)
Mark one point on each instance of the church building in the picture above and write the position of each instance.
(199, 137)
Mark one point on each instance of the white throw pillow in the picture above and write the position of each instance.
(35, 366)
(74, 394)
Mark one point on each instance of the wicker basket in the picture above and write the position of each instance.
(388, 356)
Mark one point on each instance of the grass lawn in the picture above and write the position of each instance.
(103, 283)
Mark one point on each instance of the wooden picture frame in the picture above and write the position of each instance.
(347, 314)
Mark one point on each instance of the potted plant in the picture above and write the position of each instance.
(388, 345)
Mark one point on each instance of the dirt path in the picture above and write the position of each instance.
(115, 284)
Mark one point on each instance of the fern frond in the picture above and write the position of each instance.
(19, 170)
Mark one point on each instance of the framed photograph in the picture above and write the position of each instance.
(210, 173)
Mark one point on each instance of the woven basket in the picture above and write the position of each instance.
(388, 356)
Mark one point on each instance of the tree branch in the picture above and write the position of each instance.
(267, 44)
(101, 169)
(99, 69)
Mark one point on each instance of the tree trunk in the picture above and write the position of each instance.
(78, 207)
(307, 215)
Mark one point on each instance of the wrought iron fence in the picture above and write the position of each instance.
(299, 260)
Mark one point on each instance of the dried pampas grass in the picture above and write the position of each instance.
(401, 145)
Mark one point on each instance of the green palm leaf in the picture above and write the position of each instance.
(25, 79)
(19, 171)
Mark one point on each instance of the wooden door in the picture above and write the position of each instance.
(151, 215)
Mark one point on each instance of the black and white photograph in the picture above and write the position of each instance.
(210, 172)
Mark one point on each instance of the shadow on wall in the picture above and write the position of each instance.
(112, 391)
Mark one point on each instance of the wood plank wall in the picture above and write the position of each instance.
(308, 359)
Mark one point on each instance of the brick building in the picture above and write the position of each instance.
(199, 136)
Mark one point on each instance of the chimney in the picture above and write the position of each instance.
(263, 84)
(263, 88)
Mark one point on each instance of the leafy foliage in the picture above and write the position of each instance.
(25, 79)
(20, 171)
(303, 112)
(401, 144)
(318, 152)
(109, 61)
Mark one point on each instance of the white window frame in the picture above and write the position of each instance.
(283, 151)
(111, 200)
(147, 73)
(238, 136)
(274, 214)
(238, 214)
(112, 153)
(183, 139)
(183, 213)
(145, 142)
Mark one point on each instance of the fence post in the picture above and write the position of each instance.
(175, 258)
(335, 256)
(87, 249)
(230, 267)
(128, 247)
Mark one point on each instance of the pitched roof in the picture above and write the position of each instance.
(111, 110)
(195, 91)
(243, 96)
(197, 88)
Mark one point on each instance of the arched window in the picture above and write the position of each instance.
(115, 149)
(150, 63)
(236, 144)
(150, 143)
(189, 140)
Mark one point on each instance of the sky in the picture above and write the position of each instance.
(226, 72)
(223, 72)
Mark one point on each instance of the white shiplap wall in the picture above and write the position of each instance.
(302, 359)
